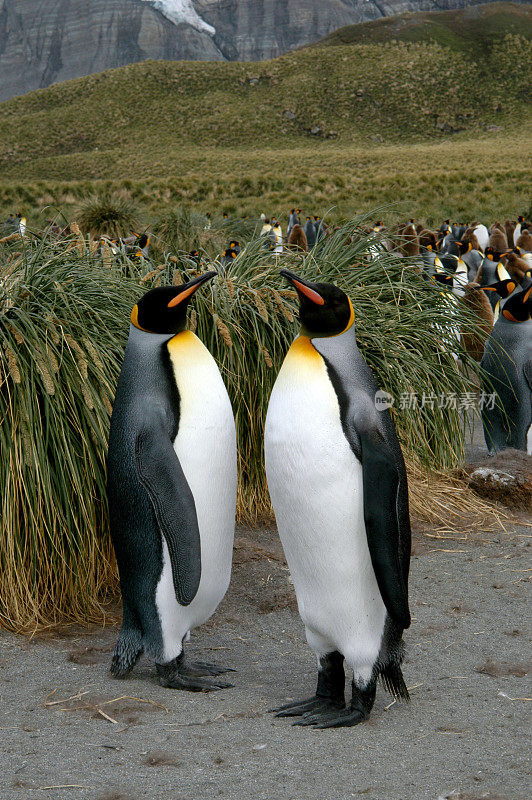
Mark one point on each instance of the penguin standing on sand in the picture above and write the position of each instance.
(171, 489)
(338, 485)
(507, 365)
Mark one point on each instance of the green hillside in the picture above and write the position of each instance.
(471, 31)
(325, 122)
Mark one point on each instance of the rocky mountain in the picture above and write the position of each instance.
(53, 40)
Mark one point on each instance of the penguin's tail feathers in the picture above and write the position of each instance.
(393, 681)
(127, 652)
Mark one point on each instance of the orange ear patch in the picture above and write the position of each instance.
(509, 316)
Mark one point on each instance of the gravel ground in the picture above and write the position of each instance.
(463, 732)
(464, 735)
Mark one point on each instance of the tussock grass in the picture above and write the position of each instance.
(107, 215)
(62, 335)
(64, 312)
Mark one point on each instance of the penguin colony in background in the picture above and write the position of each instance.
(334, 465)
(492, 276)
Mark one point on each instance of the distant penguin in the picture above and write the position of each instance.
(498, 243)
(524, 241)
(445, 228)
(427, 248)
(338, 486)
(21, 223)
(446, 242)
(517, 266)
(139, 247)
(518, 230)
(310, 232)
(320, 227)
(478, 305)
(470, 256)
(278, 233)
(408, 240)
(297, 239)
(144, 244)
(171, 489)
(228, 256)
(487, 276)
(427, 240)
(509, 228)
(507, 367)
(470, 237)
(293, 219)
(482, 234)
(266, 227)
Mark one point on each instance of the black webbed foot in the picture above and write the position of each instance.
(359, 710)
(329, 692)
(333, 719)
(309, 706)
(191, 677)
(203, 668)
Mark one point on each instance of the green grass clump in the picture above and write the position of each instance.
(105, 215)
(62, 335)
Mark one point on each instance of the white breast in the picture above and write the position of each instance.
(315, 483)
(206, 448)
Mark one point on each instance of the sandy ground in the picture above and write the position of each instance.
(68, 730)
(464, 731)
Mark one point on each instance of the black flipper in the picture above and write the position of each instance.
(160, 472)
(381, 480)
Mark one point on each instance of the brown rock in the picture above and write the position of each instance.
(505, 478)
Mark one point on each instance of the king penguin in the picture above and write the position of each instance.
(507, 368)
(171, 488)
(338, 486)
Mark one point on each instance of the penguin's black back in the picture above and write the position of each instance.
(146, 382)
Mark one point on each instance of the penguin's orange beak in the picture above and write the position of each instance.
(303, 287)
(190, 287)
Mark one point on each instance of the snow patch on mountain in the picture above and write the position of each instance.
(182, 11)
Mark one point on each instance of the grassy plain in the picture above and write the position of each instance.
(436, 123)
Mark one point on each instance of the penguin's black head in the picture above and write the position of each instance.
(518, 307)
(462, 247)
(505, 284)
(445, 278)
(164, 310)
(324, 309)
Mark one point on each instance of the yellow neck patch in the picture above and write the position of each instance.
(302, 347)
(351, 317)
(135, 319)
